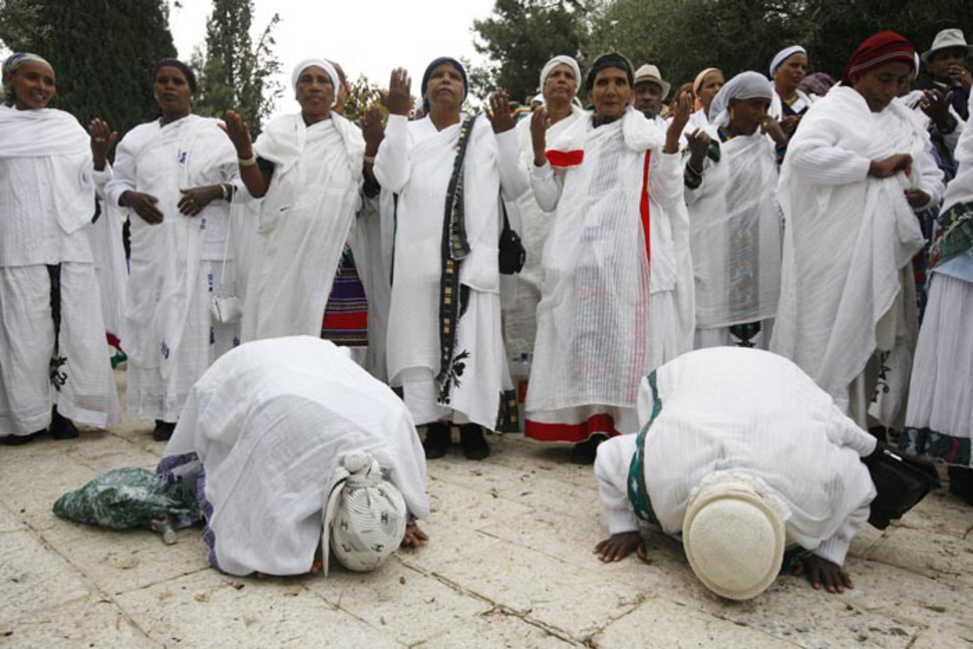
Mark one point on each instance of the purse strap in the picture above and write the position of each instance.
(226, 241)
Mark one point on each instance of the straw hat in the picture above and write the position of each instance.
(946, 39)
(734, 538)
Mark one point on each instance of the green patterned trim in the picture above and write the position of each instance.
(955, 234)
(924, 441)
(638, 495)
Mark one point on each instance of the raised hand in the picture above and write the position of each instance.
(789, 124)
(144, 206)
(698, 146)
(538, 135)
(936, 107)
(399, 95)
(102, 140)
(372, 130)
(891, 166)
(770, 126)
(239, 135)
(499, 112)
(680, 109)
(961, 76)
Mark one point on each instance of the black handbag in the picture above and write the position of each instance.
(512, 252)
(901, 482)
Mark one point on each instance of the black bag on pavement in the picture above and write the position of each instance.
(902, 481)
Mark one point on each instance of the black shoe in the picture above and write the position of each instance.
(474, 444)
(163, 430)
(960, 483)
(20, 440)
(62, 427)
(438, 437)
(586, 451)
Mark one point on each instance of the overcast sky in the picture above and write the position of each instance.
(365, 36)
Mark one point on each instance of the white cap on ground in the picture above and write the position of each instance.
(364, 516)
(734, 538)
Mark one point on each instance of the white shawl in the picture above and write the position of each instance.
(735, 226)
(847, 236)
(271, 421)
(295, 234)
(58, 137)
(593, 341)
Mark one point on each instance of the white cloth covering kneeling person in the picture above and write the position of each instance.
(743, 455)
(270, 432)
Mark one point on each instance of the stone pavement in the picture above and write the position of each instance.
(509, 564)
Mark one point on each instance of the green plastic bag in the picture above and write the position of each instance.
(126, 499)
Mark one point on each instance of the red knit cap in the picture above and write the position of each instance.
(877, 50)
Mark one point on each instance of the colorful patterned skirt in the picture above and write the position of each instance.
(346, 315)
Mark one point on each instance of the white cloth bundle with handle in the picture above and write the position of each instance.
(364, 515)
(226, 309)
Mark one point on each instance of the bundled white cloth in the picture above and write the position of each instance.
(612, 258)
(270, 423)
(364, 516)
(848, 241)
(746, 414)
(291, 239)
(734, 220)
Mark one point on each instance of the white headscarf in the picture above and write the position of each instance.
(783, 55)
(364, 515)
(746, 85)
(324, 65)
(556, 61)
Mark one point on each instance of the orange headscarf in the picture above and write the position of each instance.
(699, 82)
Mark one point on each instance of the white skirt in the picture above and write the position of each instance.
(941, 391)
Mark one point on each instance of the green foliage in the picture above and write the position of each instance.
(520, 38)
(102, 53)
(364, 93)
(233, 72)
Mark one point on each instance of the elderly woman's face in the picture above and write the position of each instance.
(445, 88)
(560, 85)
(315, 91)
(611, 93)
(711, 85)
(880, 85)
(172, 91)
(33, 85)
(747, 114)
(791, 72)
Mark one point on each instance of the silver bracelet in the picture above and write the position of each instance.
(248, 162)
(370, 159)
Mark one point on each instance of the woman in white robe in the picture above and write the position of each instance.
(609, 311)
(54, 365)
(445, 342)
(706, 85)
(304, 170)
(734, 220)
(522, 292)
(263, 432)
(790, 103)
(940, 414)
(852, 175)
(174, 176)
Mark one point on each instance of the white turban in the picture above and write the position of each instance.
(746, 85)
(783, 55)
(364, 515)
(324, 65)
(734, 536)
(556, 61)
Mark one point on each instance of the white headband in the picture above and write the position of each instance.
(556, 61)
(783, 55)
(324, 65)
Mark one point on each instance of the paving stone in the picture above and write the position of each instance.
(954, 635)
(933, 555)
(10, 522)
(467, 507)
(33, 578)
(659, 624)
(29, 486)
(399, 601)
(98, 624)
(865, 541)
(108, 452)
(207, 609)
(533, 584)
(497, 630)
(120, 561)
(942, 513)
(544, 494)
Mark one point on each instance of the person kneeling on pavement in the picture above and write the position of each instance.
(295, 452)
(746, 457)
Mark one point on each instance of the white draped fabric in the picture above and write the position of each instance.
(415, 161)
(301, 224)
(754, 415)
(776, 109)
(608, 315)
(849, 239)
(371, 244)
(522, 291)
(175, 264)
(270, 422)
(47, 200)
(735, 228)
